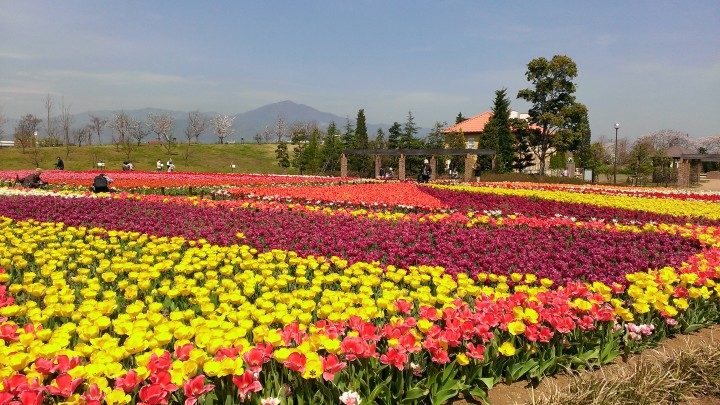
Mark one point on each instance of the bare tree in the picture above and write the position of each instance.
(82, 134)
(26, 131)
(97, 124)
(223, 126)
(280, 129)
(197, 124)
(138, 130)
(49, 124)
(121, 125)
(66, 120)
(162, 125)
(3, 121)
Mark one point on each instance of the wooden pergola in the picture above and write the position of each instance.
(431, 153)
(689, 167)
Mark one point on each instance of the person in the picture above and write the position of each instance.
(159, 165)
(454, 174)
(128, 166)
(477, 170)
(382, 172)
(60, 164)
(101, 184)
(390, 174)
(426, 171)
(33, 180)
(170, 165)
(565, 172)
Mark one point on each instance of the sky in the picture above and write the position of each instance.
(647, 65)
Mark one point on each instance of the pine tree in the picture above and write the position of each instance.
(459, 118)
(331, 149)
(361, 163)
(498, 136)
(410, 129)
(281, 153)
(395, 132)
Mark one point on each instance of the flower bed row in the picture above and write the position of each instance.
(559, 253)
(583, 207)
(124, 179)
(92, 314)
(644, 192)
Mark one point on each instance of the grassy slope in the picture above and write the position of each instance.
(248, 158)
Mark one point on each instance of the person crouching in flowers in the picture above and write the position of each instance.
(101, 184)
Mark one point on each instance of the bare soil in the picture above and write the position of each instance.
(522, 392)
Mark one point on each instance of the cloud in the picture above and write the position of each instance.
(129, 77)
(15, 56)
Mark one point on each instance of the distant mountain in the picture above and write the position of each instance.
(246, 125)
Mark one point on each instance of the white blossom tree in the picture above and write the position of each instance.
(162, 125)
(223, 126)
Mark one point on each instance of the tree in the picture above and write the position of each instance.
(459, 118)
(521, 145)
(197, 125)
(223, 127)
(120, 124)
(456, 140)
(331, 148)
(281, 153)
(82, 134)
(379, 142)
(497, 135)
(360, 163)
(52, 127)
(640, 159)
(348, 135)
(410, 129)
(394, 136)
(97, 124)
(553, 104)
(26, 131)
(3, 121)
(162, 125)
(65, 123)
(436, 138)
(279, 129)
(138, 131)
(666, 138)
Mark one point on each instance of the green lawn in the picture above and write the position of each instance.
(247, 157)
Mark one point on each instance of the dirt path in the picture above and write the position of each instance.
(523, 393)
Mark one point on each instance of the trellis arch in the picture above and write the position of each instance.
(432, 153)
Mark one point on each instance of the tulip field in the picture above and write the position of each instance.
(266, 289)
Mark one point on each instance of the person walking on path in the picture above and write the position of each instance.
(60, 165)
(170, 166)
(159, 165)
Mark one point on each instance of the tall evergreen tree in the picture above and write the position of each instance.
(456, 140)
(379, 142)
(459, 118)
(331, 149)
(348, 134)
(410, 129)
(523, 154)
(361, 163)
(282, 155)
(435, 138)
(498, 136)
(395, 132)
